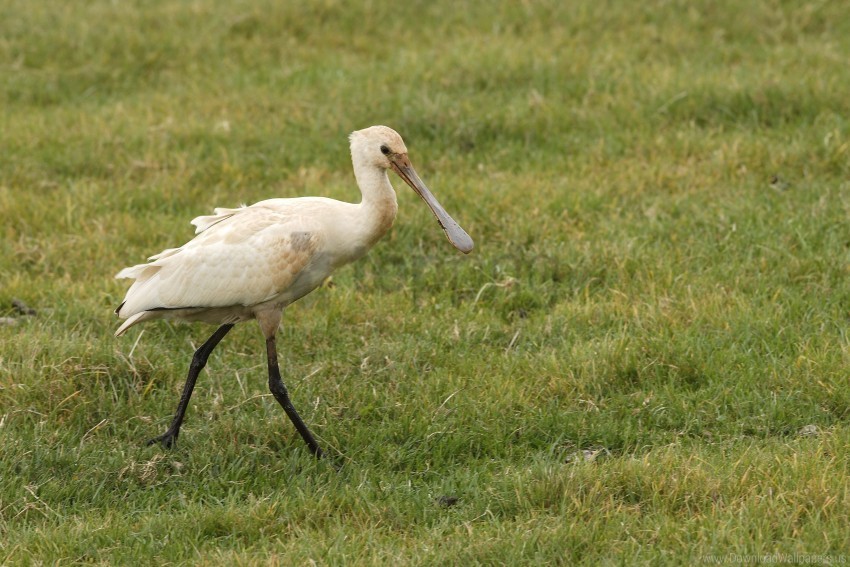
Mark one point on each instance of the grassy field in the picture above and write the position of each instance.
(645, 360)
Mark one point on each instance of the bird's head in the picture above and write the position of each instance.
(378, 146)
(382, 147)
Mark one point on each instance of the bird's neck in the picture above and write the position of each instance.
(378, 206)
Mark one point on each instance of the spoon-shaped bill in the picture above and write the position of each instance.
(456, 235)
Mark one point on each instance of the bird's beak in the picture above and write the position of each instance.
(456, 235)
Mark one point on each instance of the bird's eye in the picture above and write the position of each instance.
(385, 150)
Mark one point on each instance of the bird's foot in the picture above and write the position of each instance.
(337, 462)
(167, 439)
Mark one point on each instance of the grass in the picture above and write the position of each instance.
(659, 198)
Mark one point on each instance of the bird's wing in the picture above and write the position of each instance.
(220, 213)
(241, 257)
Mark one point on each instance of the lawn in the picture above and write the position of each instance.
(645, 359)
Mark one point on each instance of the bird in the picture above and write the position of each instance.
(251, 262)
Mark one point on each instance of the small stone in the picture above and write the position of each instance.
(778, 183)
(447, 501)
(585, 455)
(22, 307)
(810, 430)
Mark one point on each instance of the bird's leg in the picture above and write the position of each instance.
(278, 390)
(199, 360)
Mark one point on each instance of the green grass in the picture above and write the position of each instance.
(659, 196)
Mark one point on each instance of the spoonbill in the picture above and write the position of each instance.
(251, 262)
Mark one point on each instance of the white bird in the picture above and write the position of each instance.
(251, 262)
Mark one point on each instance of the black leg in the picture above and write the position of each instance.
(278, 390)
(199, 360)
